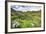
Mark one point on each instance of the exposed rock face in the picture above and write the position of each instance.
(15, 24)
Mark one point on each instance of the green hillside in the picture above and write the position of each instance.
(27, 19)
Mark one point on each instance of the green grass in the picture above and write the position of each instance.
(27, 19)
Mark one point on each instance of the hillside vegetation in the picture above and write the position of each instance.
(27, 19)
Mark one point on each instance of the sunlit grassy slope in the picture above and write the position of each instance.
(27, 19)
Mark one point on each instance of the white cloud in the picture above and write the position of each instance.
(26, 8)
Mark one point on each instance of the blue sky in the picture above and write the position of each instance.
(25, 8)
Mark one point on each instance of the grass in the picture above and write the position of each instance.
(27, 19)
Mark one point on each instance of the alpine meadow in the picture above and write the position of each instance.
(25, 19)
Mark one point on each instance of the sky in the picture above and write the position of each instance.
(25, 8)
